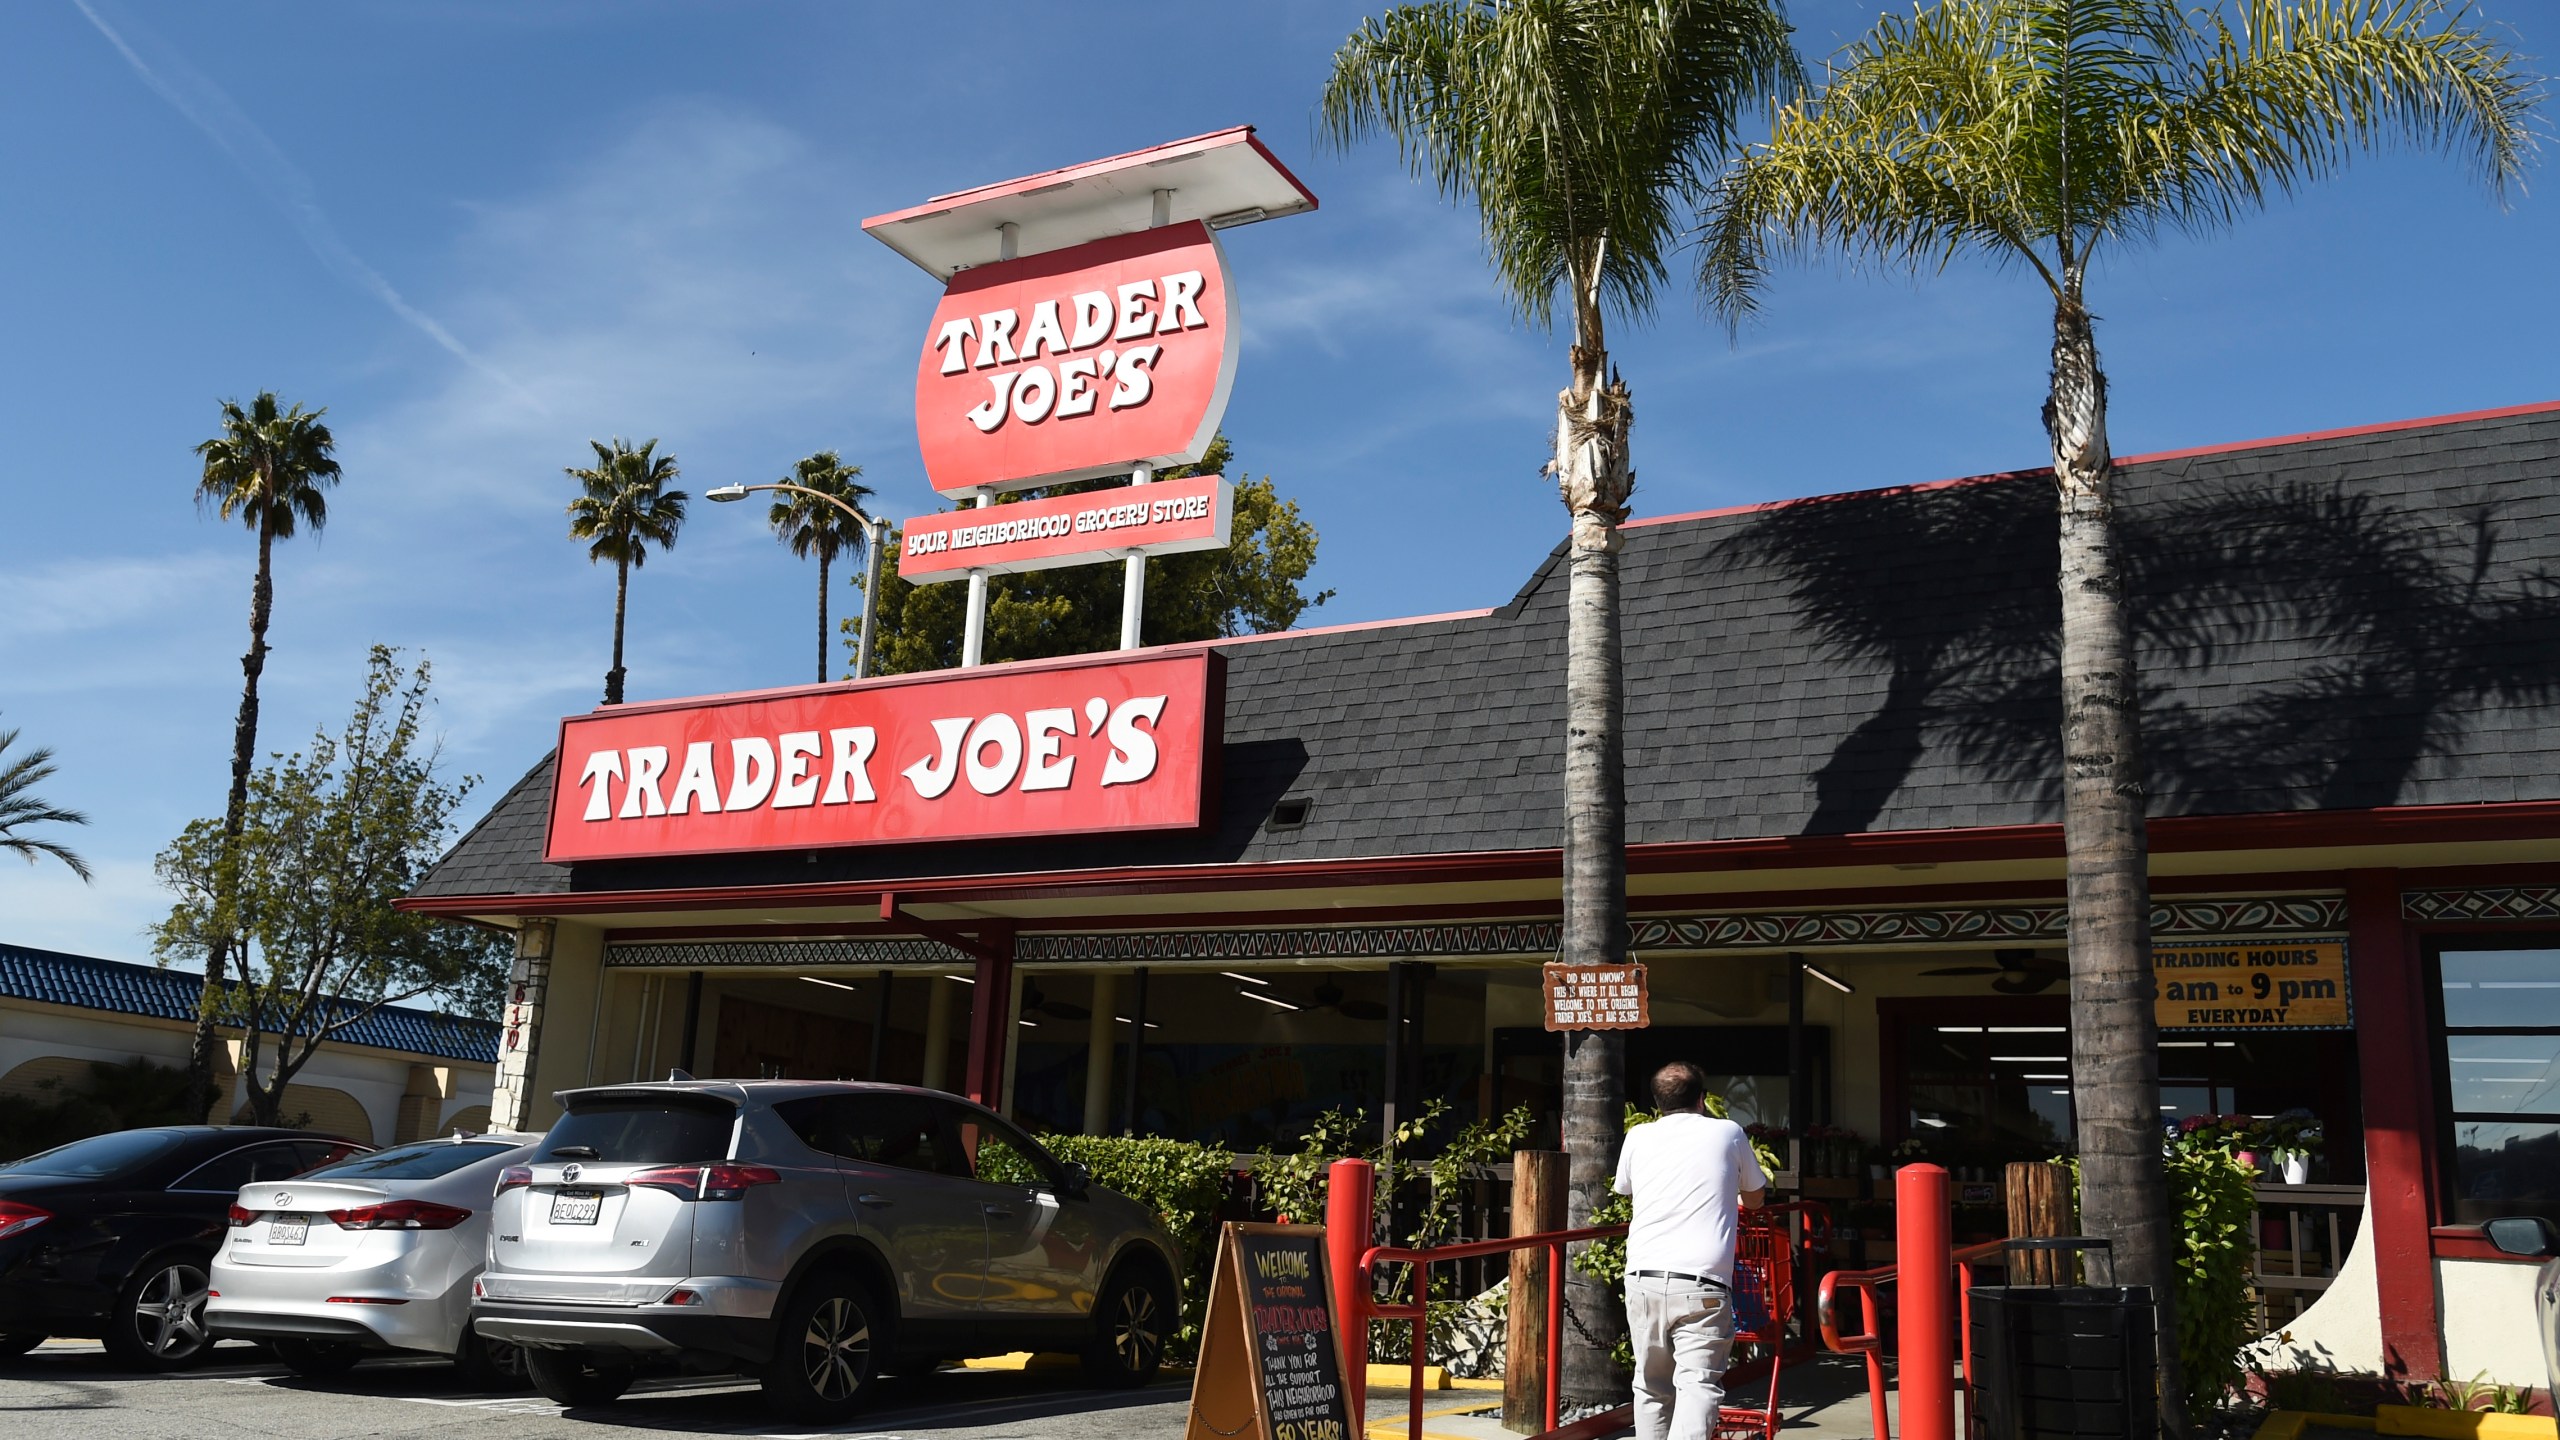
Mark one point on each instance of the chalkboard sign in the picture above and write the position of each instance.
(1271, 1351)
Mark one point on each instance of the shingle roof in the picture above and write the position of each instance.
(54, 978)
(2339, 622)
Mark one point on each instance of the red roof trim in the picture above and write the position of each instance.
(2305, 829)
(2152, 458)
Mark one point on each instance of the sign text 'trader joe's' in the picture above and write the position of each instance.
(1031, 750)
(1078, 362)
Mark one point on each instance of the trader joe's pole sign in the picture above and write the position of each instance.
(1078, 362)
(1165, 518)
(1596, 997)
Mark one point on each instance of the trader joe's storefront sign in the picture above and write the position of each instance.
(2287, 984)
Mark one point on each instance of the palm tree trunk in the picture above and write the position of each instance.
(822, 617)
(621, 601)
(235, 809)
(2115, 1056)
(1591, 460)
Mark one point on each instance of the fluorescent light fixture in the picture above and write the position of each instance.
(2044, 1077)
(2057, 1092)
(1266, 999)
(1933, 1122)
(1959, 1029)
(2226, 1044)
(1827, 978)
(1125, 1020)
(2030, 1029)
(830, 984)
(2182, 1044)
(1248, 979)
(963, 979)
(2029, 1059)
(1028, 1024)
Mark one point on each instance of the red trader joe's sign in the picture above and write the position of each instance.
(1164, 518)
(1078, 362)
(1072, 748)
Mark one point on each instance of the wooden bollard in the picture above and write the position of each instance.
(2039, 1195)
(1538, 1187)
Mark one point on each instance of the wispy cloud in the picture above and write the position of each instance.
(205, 105)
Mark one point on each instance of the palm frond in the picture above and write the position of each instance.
(269, 466)
(20, 807)
(624, 507)
(810, 525)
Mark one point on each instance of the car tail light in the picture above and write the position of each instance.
(241, 1215)
(514, 1177)
(724, 1181)
(15, 1216)
(682, 1296)
(478, 1290)
(399, 1215)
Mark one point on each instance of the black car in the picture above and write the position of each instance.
(110, 1238)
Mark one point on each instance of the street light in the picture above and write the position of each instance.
(875, 533)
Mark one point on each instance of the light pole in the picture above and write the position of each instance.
(875, 534)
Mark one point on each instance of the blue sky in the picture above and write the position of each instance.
(483, 231)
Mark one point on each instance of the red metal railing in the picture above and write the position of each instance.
(1869, 1341)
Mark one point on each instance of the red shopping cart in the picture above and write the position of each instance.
(1764, 1296)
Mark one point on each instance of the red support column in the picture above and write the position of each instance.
(2388, 980)
(1350, 1188)
(990, 1018)
(1924, 1263)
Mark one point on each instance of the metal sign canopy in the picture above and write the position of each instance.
(1226, 178)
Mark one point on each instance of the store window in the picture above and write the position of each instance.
(2498, 1059)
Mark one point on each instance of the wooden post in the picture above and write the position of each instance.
(1539, 1181)
(2039, 1195)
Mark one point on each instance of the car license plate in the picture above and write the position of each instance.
(288, 1229)
(576, 1207)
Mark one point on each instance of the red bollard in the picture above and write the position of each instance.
(1924, 1266)
(1350, 1187)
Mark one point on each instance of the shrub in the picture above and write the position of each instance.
(2210, 1193)
(1183, 1183)
(113, 1097)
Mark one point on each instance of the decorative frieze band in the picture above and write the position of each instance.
(2504, 902)
(1749, 930)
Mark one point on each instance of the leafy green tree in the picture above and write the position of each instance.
(623, 509)
(270, 468)
(334, 836)
(2039, 133)
(812, 526)
(1585, 133)
(21, 807)
(1252, 587)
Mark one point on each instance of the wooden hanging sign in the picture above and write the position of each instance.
(1271, 1351)
(1597, 997)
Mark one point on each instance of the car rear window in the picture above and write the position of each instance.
(423, 1161)
(643, 1131)
(100, 1156)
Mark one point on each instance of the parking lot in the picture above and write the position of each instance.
(70, 1390)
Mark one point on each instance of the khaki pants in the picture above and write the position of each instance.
(1682, 1334)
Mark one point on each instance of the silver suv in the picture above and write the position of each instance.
(812, 1235)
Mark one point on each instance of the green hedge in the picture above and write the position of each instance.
(112, 1097)
(2211, 1196)
(1183, 1183)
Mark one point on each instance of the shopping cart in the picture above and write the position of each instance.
(1764, 1296)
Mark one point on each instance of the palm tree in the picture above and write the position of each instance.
(270, 469)
(625, 510)
(1585, 133)
(20, 807)
(2036, 132)
(811, 526)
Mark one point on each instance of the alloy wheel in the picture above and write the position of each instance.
(1137, 1333)
(836, 1350)
(168, 1313)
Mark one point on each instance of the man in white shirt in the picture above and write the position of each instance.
(1686, 1172)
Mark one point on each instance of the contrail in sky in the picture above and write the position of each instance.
(196, 97)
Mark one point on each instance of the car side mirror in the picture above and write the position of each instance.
(2527, 1235)
(1079, 1178)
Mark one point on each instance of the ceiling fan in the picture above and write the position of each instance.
(1331, 996)
(1033, 999)
(2020, 972)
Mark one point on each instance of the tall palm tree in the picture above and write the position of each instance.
(2038, 133)
(270, 468)
(811, 526)
(21, 807)
(1585, 133)
(625, 509)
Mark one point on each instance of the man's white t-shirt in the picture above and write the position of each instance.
(1686, 1173)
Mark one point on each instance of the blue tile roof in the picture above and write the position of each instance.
(53, 978)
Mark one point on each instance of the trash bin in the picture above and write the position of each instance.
(2065, 1360)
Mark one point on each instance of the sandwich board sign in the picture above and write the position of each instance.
(1271, 1353)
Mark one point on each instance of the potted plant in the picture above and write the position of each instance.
(2291, 1139)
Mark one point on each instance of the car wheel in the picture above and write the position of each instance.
(489, 1364)
(1131, 1322)
(318, 1359)
(566, 1377)
(16, 1345)
(828, 1351)
(158, 1322)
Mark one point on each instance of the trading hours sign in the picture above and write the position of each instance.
(2286, 984)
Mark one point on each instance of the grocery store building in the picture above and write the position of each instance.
(1841, 760)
